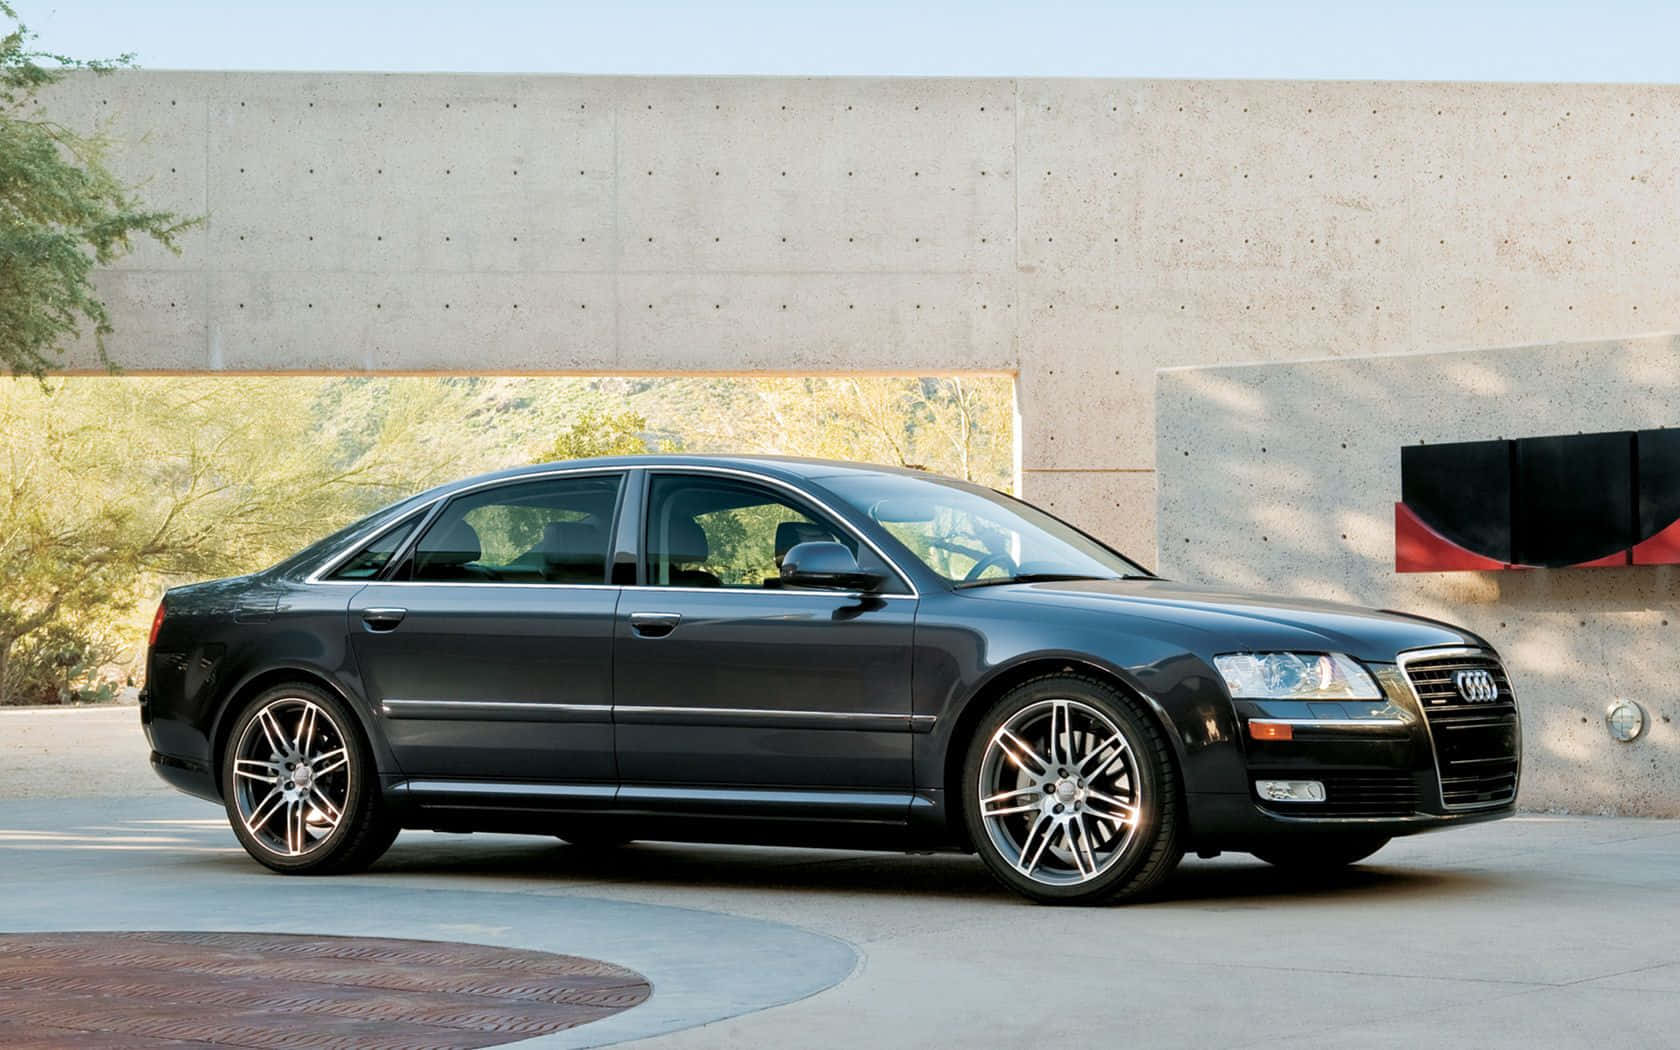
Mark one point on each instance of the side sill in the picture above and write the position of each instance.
(660, 801)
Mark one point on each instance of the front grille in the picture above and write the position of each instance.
(1351, 793)
(1476, 743)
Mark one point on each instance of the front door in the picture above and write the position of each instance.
(734, 688)
(489, 651)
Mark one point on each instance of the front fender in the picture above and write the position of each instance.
(968, 652)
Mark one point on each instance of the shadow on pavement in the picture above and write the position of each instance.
(1235, 879)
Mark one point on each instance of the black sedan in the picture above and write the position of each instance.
(789, 651)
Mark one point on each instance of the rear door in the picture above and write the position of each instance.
(489, 651)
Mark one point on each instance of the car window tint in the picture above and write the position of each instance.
(715, 532)
(371, 560)
(964, 532)
(553, 531)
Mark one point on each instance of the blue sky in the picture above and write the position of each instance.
(1606, 41)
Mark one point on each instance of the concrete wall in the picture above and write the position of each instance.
(1284, 478)
(1081, 233)
(1078, 233)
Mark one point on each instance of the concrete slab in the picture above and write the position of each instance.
(171, 864)
(1540, 930)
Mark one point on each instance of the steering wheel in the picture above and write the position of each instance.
(987, 562)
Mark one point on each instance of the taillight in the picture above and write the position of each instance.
(157, 624)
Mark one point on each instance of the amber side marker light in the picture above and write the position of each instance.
(1260, 730)
(157, 625)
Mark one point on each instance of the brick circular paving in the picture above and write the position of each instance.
(301, 992)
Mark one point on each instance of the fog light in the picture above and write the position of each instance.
(1290, 790)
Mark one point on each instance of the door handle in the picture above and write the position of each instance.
(654, 624)
(381, 620)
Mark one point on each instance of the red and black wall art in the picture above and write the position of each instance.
(1576, 501)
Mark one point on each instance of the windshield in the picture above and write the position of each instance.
(973, 536)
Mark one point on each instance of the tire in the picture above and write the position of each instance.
(286, 823)
(1114, 810)
(1321, 854)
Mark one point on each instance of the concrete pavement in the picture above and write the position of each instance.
(1537, 931)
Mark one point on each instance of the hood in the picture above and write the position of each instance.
(1226, 621)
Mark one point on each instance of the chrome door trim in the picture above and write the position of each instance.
(790, 592)
(856, 721)
(1414, 655)
(495, 710)
(463, 793)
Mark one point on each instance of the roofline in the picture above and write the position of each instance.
(786, 467)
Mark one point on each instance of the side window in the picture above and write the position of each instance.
(553, 531)
(371, 560)
(715, 532)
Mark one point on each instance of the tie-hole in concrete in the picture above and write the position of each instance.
(273, 990)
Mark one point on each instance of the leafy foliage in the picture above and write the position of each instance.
(957, 425)
(62, 212)
(599, 433)
(113, 488)
(60, 663)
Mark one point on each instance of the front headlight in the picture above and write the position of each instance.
(1295, 676)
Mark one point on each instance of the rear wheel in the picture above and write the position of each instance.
(1322, 854)
(299, 785)
(1070, 794)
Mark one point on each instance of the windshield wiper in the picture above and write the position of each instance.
(1031, 577)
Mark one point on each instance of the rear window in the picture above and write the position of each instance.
(371, 560)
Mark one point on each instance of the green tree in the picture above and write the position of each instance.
(597, 433)
(111, 488)
(62, 212)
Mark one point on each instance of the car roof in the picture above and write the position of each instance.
(784, 467)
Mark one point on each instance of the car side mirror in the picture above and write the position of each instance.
(826, 565)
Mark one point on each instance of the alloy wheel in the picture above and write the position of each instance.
(292, 776)
(1060, 793)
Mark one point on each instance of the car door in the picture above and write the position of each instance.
(729, 689)
(488, 651)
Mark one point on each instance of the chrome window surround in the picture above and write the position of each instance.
(1412, 656)
(428, 513)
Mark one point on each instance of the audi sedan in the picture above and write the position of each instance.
(802, 652)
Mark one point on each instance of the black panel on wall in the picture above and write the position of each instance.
(1572, 498)
(1659, 480)
(1462, 491)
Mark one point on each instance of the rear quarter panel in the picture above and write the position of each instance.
(221, 639)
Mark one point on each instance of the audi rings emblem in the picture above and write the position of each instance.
(1476, 687)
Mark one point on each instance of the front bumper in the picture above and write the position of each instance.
(1413, 766)
(1238, 822)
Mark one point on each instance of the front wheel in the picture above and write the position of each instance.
(299, 785)
(1070, 794)
(1321, 854)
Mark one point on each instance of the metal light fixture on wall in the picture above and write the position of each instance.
(1626, 720)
